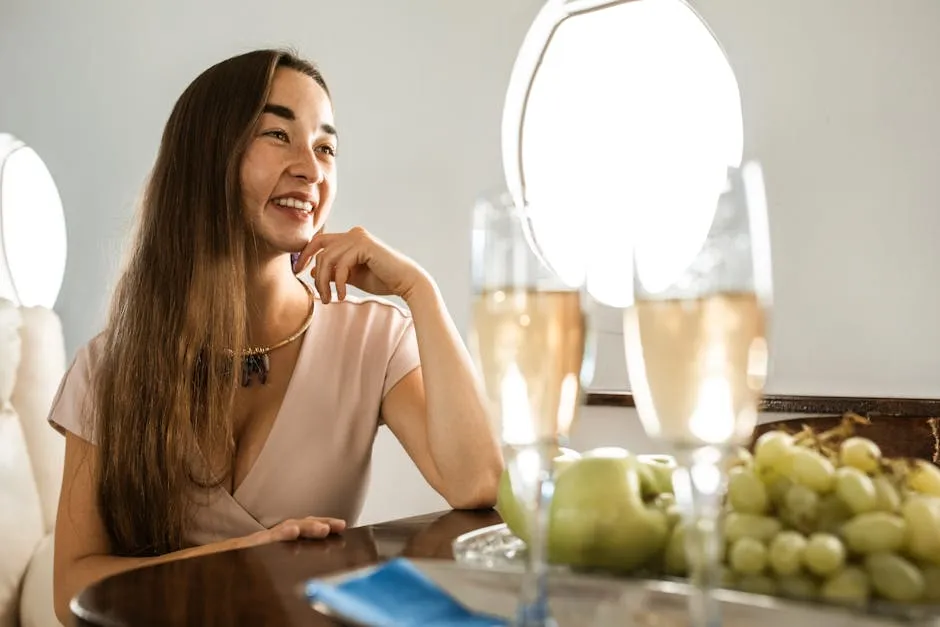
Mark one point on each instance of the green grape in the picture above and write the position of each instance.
(666, 503)
(786, 552)
(932, 583)
(801, 507)
(674, 560)
(849, 586)
(860, 453)
(812, 470)
(771, 448)
(875, 532)
(833, 513)
(777, 488)
(797, 587)
(824, 554)
(784, 464)
(922, 515)
(895, 578)
(673, 515)
(738, 525)
(757, 584)
(746, 492)
(739, 457)
(726, 578)
(856, 489)
(748, 556)
(664, 500)
(887, 498)
(924, 478)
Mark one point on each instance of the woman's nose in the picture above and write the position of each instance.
(307, 167)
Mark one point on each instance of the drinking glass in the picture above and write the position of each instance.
(696, 345)
(528, 340)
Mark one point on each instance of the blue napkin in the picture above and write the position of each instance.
(396, 594)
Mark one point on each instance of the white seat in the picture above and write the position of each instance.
(32, 362)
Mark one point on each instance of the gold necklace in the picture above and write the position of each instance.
(255, 361)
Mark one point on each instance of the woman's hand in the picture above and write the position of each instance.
(293, 529)
(357, 258)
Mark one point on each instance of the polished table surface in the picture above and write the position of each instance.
(262, 585)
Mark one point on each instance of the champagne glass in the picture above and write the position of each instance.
(696, 345)
(528, 340)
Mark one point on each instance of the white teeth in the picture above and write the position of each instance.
(293, 203)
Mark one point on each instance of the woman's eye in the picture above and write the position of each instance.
(278, 134)
(330, 150)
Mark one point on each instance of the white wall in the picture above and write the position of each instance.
(841, 102)
(418, 89)
(839, 99)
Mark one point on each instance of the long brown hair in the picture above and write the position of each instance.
(164, 387)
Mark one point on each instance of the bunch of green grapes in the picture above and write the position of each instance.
(809, 518)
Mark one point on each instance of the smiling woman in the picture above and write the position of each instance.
(230, 401)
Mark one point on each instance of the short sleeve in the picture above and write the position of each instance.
(404, 356)
(72, 403)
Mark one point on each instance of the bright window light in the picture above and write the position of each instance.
(634, 113)
(32, 228)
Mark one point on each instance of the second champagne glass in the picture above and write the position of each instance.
(528, 342)
(697, 351)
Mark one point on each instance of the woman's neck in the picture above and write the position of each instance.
(277, 302)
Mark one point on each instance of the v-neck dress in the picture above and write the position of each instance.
(317, 457)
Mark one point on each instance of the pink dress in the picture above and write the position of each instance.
(317, 457)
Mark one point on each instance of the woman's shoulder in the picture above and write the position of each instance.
(88, 355)
(367, 313)
(69, 410)
(375, 336)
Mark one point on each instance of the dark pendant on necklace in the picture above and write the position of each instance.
(255, 366)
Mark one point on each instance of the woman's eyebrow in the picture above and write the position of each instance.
(287, 113)
(280, 111)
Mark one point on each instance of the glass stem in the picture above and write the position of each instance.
(537, 488)
(701, 500)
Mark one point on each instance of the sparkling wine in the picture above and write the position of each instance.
(697, 367)
(529, 346)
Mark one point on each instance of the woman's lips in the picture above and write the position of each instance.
(298, 214)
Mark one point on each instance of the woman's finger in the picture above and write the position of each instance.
(313, 528)
(322, 274)
(315, 245)
(342, 268)
(340, 276)
(284, 532)
(336, 524)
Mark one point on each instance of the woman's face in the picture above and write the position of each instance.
(288, 173)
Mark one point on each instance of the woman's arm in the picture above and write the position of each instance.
(81, 543)
(438, 411)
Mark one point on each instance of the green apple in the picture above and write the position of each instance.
(598, 517)
(509, 507)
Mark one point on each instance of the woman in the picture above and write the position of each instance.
(228, 403)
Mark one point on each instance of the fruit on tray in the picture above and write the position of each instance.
(509, 507)
(598, 517)
(808, 515)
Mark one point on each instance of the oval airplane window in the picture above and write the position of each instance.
(616, 108)
(33, 244)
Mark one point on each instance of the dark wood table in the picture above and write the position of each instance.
(262, 585)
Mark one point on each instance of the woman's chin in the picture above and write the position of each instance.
(294, 242)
